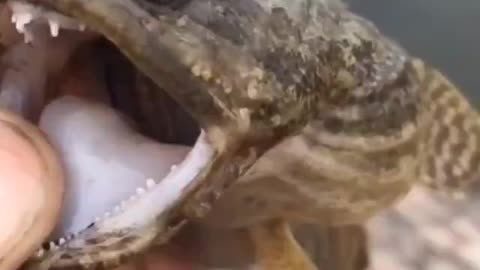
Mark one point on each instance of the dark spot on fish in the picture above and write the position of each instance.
(253, 202)
(66, 256)
(441, 139)
(173, 4)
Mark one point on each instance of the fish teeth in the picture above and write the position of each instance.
(21, 20)
(61, 241)
(27, 37)
(54, 27)
(173, 168)
(52, 246)
(25, 13)
(150, 183)
(140, 191)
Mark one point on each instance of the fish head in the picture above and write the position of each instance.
(246, 92)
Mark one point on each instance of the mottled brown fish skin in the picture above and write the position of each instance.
(450, 144)
(348, 177)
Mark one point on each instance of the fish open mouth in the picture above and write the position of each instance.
(235, 93)
(115, 205)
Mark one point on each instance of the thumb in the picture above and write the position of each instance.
(31, 190)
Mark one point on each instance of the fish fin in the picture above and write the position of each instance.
(276, 248)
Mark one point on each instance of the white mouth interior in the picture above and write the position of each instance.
(159, 198)
(115, 177)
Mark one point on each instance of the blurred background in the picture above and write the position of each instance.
(445, 32)
(427, 231)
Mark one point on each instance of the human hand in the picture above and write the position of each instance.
(31, 189)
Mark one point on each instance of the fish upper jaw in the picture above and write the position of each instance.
(24, 13)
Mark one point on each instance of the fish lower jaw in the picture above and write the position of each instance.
(139, 218)
(157, 198)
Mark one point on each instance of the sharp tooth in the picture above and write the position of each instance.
(150, 183)
(54, 27)
(140, 191)
(40, 252)
(27, 37)
(82, 27)
(117, 209)
(61, 241)
(173, 167)
(52, 246)
(21, 20)
(132, 198)
(107, 214)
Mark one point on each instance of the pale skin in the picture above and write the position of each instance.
(31, 188)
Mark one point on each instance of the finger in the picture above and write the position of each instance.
(31, 189)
